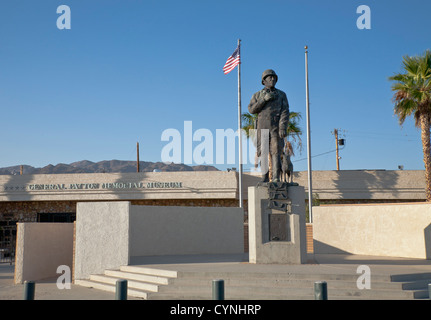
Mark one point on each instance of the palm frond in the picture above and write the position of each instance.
(247, 123)
(413, 88)
(293, 129)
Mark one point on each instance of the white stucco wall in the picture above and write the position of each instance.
(401, 230)
(41, 249)
(161, 230)
(102, 237)
(108, 234)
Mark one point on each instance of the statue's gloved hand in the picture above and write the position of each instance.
(268, 96)
(282, 133)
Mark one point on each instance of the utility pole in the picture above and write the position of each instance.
(336, 148)
(338, 142)
(137, 156)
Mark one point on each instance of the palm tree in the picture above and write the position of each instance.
(413, 96)
(247, 121)
(293, 132)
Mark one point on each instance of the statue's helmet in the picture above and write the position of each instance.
(269, 72)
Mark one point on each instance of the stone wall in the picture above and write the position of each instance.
(27, 211)
(188, 202)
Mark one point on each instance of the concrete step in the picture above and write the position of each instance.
(294, 295)
(421, 294)
(287, 276)
(111, 288)
(168, 296)
(257, 282)
(250, 292)
(150, 271)
(140, 281)
(416, 282)
(149, 283)
(296, 285)
(136, 276)
(416, 285)
(228, 296)
(410, 277)
(150, 287)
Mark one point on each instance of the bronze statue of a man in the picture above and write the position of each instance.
(272, 108)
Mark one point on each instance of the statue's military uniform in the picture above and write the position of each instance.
(274, 116)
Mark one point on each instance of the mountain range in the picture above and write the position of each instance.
(106, 166)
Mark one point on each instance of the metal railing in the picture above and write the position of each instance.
(7, 244)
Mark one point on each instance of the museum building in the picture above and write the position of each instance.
(54, 197)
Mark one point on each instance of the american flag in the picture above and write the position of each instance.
(232, 61)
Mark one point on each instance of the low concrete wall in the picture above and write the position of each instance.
(108, 234)
(102, 237)
(41, 248)
(185, 230)
(394, 230)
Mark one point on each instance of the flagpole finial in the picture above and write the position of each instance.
(306, 47)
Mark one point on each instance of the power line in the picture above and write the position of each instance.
(317, 155)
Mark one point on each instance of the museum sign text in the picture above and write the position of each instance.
(105, 186)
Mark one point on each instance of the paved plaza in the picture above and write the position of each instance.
(321, 264)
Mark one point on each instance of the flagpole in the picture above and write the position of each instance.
(310, 194)
(239, 130)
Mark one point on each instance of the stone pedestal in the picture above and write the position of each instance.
(276, 214)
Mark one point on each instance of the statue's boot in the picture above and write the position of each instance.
(276, 168)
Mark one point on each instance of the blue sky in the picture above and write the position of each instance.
(128, 70)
